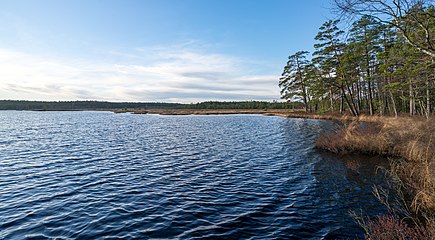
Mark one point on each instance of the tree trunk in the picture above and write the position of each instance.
(351, 105)
(380, 97)
(427, 97)
(369, 82)
(304, 95)
(331, 98)
(358, 96)
(343, 96)
(348, 102)
(393, 102)
(301, 78)
(310, 107)
(411, 101)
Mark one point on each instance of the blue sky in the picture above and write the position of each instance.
(152, 50)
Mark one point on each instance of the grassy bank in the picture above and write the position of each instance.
(410, 145)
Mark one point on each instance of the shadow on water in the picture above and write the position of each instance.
(336, 184)
(344, 184)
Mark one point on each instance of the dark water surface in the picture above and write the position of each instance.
(99, 175)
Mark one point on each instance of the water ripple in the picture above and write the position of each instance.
(90, 175)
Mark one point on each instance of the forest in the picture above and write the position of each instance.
(381, 63)
(77, 105)
(100, 105)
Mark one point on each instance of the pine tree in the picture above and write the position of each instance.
(328, 56)
(292, 82)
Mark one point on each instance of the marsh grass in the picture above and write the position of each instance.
(410, 145)
(393, 227)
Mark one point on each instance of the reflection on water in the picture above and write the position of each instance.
(94, 175)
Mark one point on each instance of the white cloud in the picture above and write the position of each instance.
(173, 74)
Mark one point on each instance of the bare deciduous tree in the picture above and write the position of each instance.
(414, 19)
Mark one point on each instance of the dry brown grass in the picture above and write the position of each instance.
(393, 227)
(408, 138)
(354, 137)
(411, 144)
(329, 116)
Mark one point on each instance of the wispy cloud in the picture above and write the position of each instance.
(172, 74)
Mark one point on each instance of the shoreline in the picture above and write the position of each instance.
(175, 112)
(289, 113)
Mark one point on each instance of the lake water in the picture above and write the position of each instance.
(90, 175)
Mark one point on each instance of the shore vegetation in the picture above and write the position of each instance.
(373, 73)
(409, 143)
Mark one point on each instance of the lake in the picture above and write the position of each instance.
(95, 175)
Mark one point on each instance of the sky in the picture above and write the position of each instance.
(152, 50)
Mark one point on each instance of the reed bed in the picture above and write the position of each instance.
(410, 145)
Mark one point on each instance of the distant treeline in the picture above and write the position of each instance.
(99, 105)
(245, 105)
(78, 105)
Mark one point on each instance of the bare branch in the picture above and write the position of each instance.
(394, 13)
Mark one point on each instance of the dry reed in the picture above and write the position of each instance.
(410, 143)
